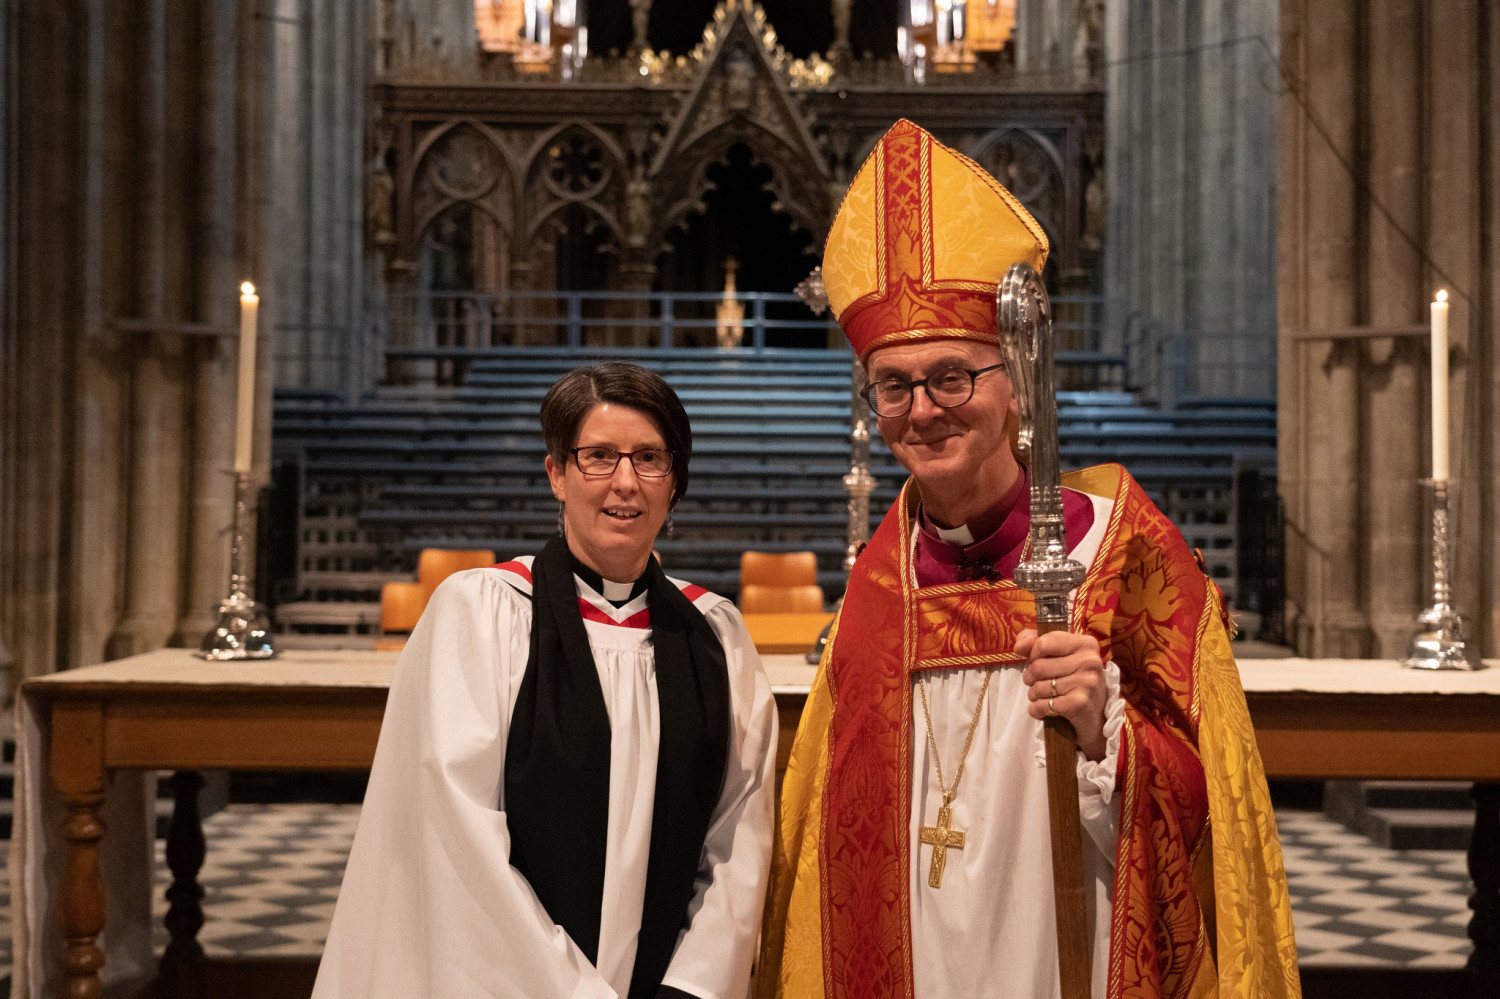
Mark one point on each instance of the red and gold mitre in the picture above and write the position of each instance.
(923, 237)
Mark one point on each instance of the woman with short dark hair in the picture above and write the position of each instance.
(573, 788)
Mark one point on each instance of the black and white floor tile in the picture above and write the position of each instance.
(1358, 904)
(273, 873)
(270, 879)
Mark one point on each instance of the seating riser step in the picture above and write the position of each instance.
(407, 467)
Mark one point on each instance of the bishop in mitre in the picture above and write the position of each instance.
(913, 857)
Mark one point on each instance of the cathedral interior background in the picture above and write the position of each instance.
(443, 203)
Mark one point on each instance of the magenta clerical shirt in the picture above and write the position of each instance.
(990, 545)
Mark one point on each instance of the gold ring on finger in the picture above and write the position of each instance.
(1054, 686)
(1050, 709)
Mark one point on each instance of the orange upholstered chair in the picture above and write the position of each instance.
(401, 603)
(780, 583)
(778, 569)
(757, 598)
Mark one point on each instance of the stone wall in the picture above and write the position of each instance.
(1189, 256)
(318, 172)
(155, 157)
(1388, 191)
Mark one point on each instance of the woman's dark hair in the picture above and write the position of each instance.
(576, 393)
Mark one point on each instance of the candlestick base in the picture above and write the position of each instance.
(243, 632)
(244, 629)
(1441, 644)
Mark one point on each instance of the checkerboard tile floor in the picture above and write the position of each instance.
(270, 880)
(1354, 903)
(273, 872)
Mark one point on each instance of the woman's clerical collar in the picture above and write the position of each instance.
(618, 594)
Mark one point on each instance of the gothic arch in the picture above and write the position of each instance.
(572, 168)
(607, 143)
(462, 245)
(462, 160)
(607, 218)
(679, 188)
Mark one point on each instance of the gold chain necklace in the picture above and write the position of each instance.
(942, 836)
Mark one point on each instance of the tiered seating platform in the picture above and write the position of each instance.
(402, 468)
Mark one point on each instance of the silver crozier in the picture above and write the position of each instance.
(1025, 315)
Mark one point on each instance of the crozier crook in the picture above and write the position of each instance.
(1025, 318)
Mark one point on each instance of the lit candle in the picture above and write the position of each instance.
(245, 424)
(1440, 387)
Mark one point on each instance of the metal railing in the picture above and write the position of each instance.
(478, 320)
(450, 325)
(1164, 363)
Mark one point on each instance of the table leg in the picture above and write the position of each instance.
(82, 901)
(77, 752)
(1484, 871)
(182, 969)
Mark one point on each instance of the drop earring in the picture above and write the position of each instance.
(561, 533)
(670, 525)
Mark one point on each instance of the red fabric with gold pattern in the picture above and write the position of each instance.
(1145, 605)
(1144, 600)
(867, 950)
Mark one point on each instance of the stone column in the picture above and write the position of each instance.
(1044, 38)
(1391, 114)
(1189, 167)
(36, 354)
(316, 247)
(1417, 141)
(1485, 611)
(154, 519)
(435, 37)
(1456, 222)
(839, 51)
(153, 547)
(213, 360)
(1320, 468)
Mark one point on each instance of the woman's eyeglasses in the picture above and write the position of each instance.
(651, 462)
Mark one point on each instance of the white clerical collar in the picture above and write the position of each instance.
(960, 535)
(614, 591)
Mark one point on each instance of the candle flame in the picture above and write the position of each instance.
(247, 289)
(1442, 295)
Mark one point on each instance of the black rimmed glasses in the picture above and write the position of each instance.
(948, 387)
(650, 462)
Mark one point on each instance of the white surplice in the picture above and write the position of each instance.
(990, 929)
(430, 906)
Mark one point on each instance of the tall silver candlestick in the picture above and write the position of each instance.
(1439, 644)
(858, 483)
(244, 630)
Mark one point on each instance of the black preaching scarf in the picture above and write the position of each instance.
(557, 763)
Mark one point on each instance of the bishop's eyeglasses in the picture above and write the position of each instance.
(651, 462)
(948, 387)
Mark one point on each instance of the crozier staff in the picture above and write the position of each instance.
(914, 857)
(573, 786)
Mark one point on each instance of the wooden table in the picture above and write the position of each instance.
(775, 634)
(162, 711)
(322, 711)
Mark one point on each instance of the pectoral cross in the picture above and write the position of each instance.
(940, 838)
